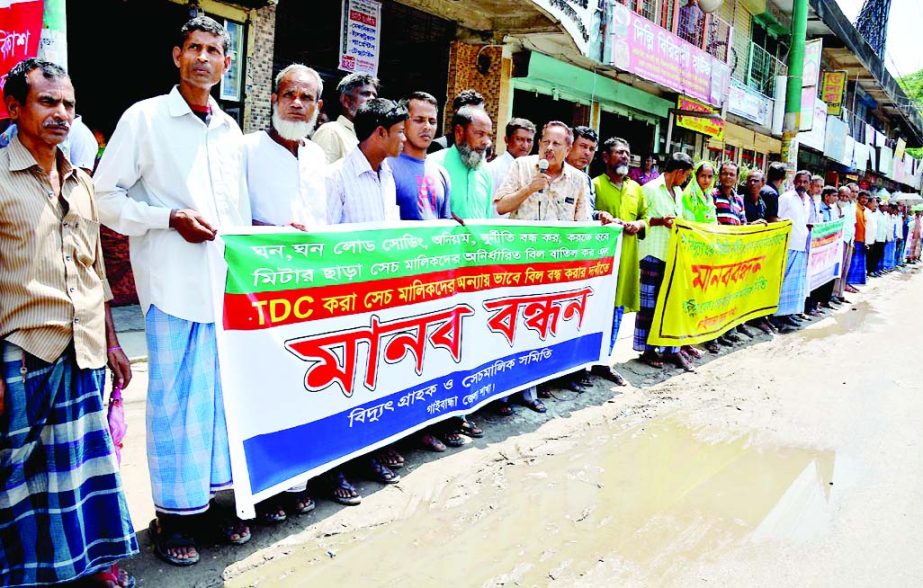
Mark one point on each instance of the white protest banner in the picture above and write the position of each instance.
(826, 253)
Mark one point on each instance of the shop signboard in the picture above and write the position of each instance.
(578, 17)
(360, 36)
(833, 88)
(640, 47)
(815, 137)
(900, 148)
(809, 79)
(20, 34)
(749, 104)
(835, 141)
(713, 127)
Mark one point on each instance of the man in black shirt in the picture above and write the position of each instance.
(770, 192)
(754, 205)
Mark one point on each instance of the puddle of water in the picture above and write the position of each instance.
(860, 314)
(648, 500)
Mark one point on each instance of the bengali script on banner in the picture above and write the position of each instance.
(826, 256)
(717, 277)
(337, 342)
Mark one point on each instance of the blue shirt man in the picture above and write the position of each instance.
(422, 187)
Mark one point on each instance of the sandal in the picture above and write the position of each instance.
(504, 409)
(679, 361)
(430, 442)
(167, 540)
(298, 503)
(229, 529)
(114, 576)
(453, 439)
(712, 346)
(342, 491)
(469, 429)
(270, 511)
(692, 351)
(650, 358)
(391, 458)
(382, 473)
(536, 405)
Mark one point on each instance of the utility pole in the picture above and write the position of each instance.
(792, 120)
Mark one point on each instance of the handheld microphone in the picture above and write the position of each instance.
(542, 168)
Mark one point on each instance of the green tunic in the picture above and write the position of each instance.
(471, 192)
(624, 203)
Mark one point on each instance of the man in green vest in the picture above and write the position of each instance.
(619, 199)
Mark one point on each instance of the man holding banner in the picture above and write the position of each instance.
(661, 196)
(796, 206)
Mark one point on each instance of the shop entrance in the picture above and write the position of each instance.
(119, 53)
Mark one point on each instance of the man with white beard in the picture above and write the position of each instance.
(284, 169)
(284, 172)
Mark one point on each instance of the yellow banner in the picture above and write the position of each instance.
(717, 277)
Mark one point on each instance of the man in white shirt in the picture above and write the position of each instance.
(338, 137)
(794, 205)
(283, 167)
(360, 187)
(284, 171)
(520, 135)
(847, 211)
(171, 176)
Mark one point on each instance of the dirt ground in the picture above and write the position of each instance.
(788, 460)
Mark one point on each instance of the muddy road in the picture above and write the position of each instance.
(792, 460)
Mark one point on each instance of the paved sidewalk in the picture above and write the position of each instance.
(129, 324)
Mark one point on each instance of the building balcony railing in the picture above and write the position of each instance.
(708, 32)
(762, 69)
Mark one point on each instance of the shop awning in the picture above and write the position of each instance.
(744, 138)
(548, 75)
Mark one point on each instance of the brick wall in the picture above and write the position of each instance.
(463, 74)
(260, 49)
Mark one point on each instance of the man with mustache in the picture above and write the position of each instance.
(62, 511)
(283, 167)
(170, 177)
(556, 193)
(796, 206)
(465, 161)
(338, 137)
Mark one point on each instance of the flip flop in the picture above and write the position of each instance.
(469, 429)
(270, 511)
(292, 500)
(504, 409)
(453, 439)
(650, 359)
(430, 442)
(536, 405)
(391, 458)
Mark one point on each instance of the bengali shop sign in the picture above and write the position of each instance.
(826, 255)
(337, 342)
(647, 50)
(20, 33)
(360, 36)
(833, 89)
(717, 277)
(710, 123)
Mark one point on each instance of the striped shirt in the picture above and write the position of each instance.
(358, 194)
(52, 273)
(729, 209)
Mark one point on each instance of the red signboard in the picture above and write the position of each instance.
(20, 33)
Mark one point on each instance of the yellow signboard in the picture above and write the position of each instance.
(713, 127)
(717, 277)
(833, 89)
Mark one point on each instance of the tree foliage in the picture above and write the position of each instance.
(913, 87)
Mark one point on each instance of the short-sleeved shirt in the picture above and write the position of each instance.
(660, 203)
(565, 199)
(337, 138)
(422, 188)
(729, 209)
(472, 190)
(798, 209)
(771, 197)
(754, 211)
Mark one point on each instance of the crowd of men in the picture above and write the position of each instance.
(177, 168)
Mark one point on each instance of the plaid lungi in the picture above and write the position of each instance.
(652, 271)
(187, 438)
(791, 296)
(616, 323)
(63, 515)
(856, 273)
(839, 287)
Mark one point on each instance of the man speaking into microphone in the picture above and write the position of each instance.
(544, 187)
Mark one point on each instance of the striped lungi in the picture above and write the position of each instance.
(857, 268)
(839, 287)
(63, 515)
(652, 271)
(792, 294)
(616, 324)
(187, 438)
